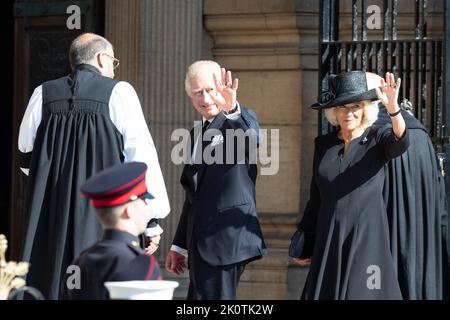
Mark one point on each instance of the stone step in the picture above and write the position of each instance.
(261, 290)
(181, 291)
(262, 279)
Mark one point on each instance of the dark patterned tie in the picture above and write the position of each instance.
(194, 167)
(205, 126)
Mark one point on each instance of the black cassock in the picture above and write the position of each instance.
(75, 139)
(345, 222)
(414, 193)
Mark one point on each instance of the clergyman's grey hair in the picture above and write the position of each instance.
(83, 50)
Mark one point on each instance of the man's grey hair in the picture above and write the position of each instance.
(370, 113)
(196, 68)
(85, 47)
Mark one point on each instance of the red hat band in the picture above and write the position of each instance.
(138, 190)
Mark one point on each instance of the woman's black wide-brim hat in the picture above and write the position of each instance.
(346, 87)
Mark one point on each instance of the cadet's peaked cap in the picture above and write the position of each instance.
(117, 185)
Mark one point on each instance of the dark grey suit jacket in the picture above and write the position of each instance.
(219, 214)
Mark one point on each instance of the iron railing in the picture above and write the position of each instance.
(418, 60)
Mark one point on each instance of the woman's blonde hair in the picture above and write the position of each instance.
(370, 113)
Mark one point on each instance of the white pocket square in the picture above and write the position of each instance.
(217, 140)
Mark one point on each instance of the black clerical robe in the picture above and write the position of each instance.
(414, 194)
(75, 139)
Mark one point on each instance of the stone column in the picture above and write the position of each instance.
(122, 29)
(271, 46)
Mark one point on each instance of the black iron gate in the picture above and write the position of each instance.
(418, 60)
(421, 60)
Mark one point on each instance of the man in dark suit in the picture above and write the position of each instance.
(120, 197)
(218, 229)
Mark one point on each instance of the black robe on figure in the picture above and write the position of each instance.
(414, 193)
(75, 139)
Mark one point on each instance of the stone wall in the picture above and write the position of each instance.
(271, 47)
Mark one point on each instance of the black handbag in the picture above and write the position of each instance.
(297, 244)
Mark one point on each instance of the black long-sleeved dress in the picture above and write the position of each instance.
(345, 222)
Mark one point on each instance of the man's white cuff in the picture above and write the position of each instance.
(236, 114)
(153, 231)
(182, 251)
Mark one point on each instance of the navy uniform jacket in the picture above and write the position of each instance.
(219, 214)
(117, 257)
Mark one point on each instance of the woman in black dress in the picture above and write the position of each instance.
(344, 230)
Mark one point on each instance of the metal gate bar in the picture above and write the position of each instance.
(418, 61)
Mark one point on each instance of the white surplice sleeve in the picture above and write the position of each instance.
(28, 128)
(126, 114)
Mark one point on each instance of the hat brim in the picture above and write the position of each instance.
(345, 99)
(146, 196)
